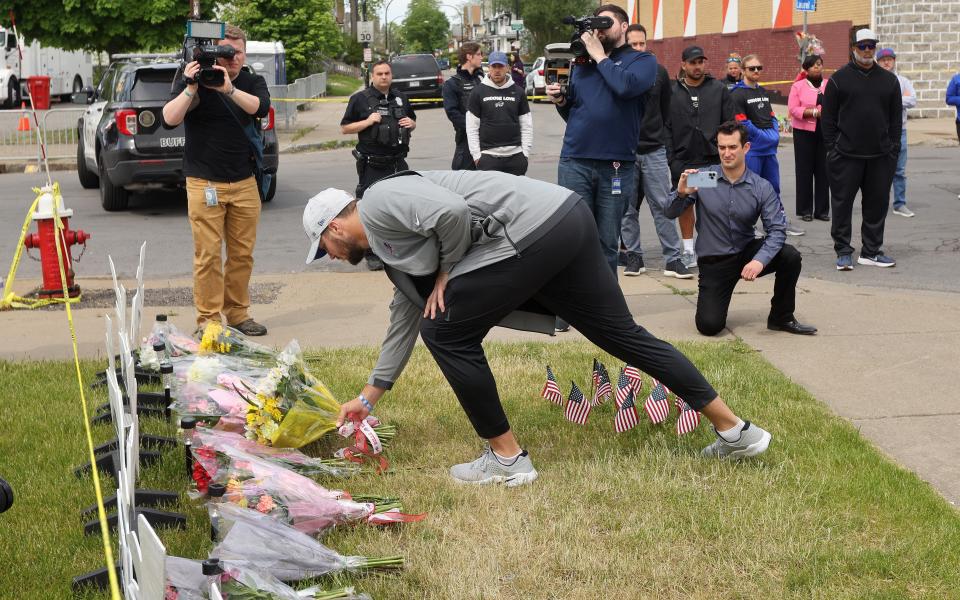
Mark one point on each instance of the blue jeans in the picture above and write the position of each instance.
(592, 180)
(766, 166)
(900, 177)
(653, 170)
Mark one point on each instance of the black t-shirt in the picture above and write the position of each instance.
(359, 109)
(217, 148)
(754, 104)
(499, 111)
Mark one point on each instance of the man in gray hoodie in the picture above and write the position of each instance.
(469, 250)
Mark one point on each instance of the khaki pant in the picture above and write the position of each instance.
(218, 286)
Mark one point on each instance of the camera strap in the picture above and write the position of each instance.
(256, 145)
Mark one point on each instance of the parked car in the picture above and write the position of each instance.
(443, 63)
(417, 75)
(536, 82)
(123, 146)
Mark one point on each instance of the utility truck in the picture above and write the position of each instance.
(69, 70)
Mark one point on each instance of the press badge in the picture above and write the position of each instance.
(615, 182)
(210, 195)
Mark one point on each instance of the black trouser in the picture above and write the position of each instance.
(462, 159)
(873, 178)
(566, 272)
(810, 159)
(374, 168)
(720, 274)
(515, 164)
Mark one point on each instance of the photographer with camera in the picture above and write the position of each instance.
(219, 105)
(603, 107)
(456, 93)
(383, 119)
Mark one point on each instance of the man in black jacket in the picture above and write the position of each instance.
(456, 92)
(861, 123)
(698, 105)
(654, 175)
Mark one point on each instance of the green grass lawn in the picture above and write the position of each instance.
(342, 85)
(636, 515)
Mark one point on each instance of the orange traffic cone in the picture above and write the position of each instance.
(24, 123)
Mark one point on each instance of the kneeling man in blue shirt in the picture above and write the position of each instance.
(727, 249)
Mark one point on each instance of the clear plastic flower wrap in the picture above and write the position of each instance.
(223, 339)
(257, 541)
(291, 498)
(185, 579)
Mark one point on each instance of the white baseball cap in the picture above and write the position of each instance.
(866, 34)
(320, 210)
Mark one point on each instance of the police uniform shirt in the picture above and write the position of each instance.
(363, 104)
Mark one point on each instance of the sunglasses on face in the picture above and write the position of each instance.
(867, 46)
(755, 68)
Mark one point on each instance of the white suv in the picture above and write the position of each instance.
(536, 82)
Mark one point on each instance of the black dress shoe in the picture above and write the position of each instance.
(792, 327)
(806, 218)
(822, 217)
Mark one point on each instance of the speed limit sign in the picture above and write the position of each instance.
(364, 32)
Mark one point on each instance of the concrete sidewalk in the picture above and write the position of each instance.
(884, 359)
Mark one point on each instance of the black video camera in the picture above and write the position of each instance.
(200, 44)
(581, 26)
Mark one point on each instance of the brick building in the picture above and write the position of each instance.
(923, 32)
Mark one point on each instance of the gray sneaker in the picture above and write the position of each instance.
(676, 269)
(753, 441)
(490, 469)
(689, 260)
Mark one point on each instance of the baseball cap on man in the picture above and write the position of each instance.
(886, 53)
(691, 53)
(864, 35)
(320, 210)
(497, 58)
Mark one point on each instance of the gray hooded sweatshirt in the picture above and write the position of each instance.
(455, 222)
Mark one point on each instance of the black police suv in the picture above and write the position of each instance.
(417, 76)
(123, 146)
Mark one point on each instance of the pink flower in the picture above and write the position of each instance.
(266, 504)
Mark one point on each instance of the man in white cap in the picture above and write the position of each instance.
(470, 250)
(861, 130)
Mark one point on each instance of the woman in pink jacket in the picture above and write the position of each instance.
(809, 152)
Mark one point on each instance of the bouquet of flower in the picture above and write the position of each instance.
(255, 540)
(296, 500)
(233, 445)
(222, 339)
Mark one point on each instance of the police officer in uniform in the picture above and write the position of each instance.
(382, 118)
(456, 93)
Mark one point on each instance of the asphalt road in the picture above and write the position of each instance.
(927, 247)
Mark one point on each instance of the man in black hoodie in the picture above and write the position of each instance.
(456, 92)
(861, 123)
(698, 105)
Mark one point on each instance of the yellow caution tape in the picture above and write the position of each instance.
(341, 99)
(101, 510)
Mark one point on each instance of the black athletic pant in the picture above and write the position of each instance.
(567, 273)
(810, 159)
(515, 164)
(720, 274)
(462, 159)
(873, 178)
(371, 172)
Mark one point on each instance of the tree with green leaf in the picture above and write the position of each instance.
(306, 28)
(102, 25)
(425, 28)
(542, 20)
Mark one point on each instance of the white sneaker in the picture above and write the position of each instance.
(490, 468)
(903, 211)
(753, 441)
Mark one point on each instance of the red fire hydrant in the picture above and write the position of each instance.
(45, 238)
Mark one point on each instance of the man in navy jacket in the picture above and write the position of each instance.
(603, 107)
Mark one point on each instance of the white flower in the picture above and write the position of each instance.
(205, 369)
(269, 429)
(149, 359)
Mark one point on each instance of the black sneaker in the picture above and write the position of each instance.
(561, 326)
(374, 263)
(621, 259)
(251, 328)
(676, 269)
(634, 265)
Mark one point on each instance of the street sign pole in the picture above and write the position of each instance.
(366, 45)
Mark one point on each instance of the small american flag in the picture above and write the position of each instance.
(688, 419)
(551, 391)
(633, 374)
(603, 389)
(578, 409)
(624, 388)
(657, 406)
(626, 417)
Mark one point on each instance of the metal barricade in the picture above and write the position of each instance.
(303, 89)
(58, 127)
